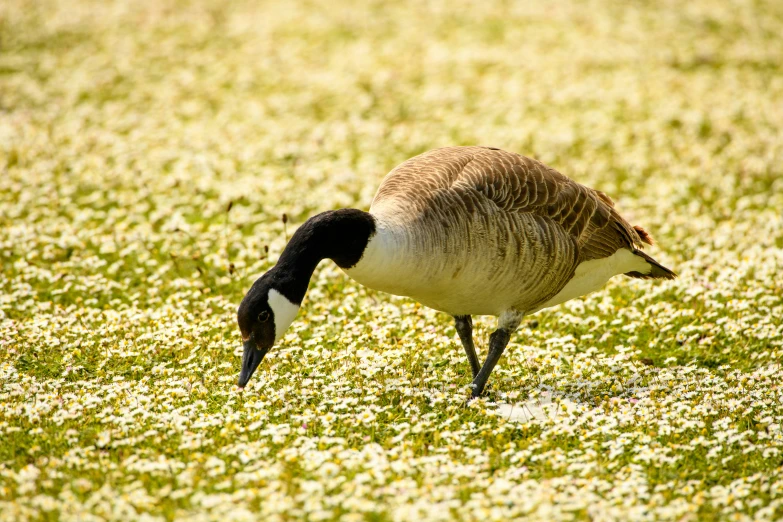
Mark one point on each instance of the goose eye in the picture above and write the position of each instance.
(263, 317)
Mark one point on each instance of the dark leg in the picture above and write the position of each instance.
(464, 324)
(497, 343)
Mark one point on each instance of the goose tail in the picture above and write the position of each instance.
(656, 270)
(644, 235)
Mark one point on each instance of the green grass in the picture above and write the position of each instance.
(126, 130)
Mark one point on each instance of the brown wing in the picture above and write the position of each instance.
(472, 176)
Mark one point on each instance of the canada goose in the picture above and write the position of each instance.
(464, 230)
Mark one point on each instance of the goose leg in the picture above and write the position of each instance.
(498, 341)
(464, 325)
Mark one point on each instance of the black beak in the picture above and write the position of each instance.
(251, 358)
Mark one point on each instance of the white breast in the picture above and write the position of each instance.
(458, 282)
(387, 264)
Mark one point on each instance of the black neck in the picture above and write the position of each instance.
(339, 235)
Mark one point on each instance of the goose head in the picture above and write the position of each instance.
(263, 316)
(271, 304)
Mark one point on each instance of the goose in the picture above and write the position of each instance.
(464, 230)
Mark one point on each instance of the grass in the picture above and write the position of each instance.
(148, 152)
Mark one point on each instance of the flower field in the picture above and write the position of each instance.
(149, 151)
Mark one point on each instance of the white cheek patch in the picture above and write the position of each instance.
(284, 311)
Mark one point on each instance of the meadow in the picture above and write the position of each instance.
(149, 151)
